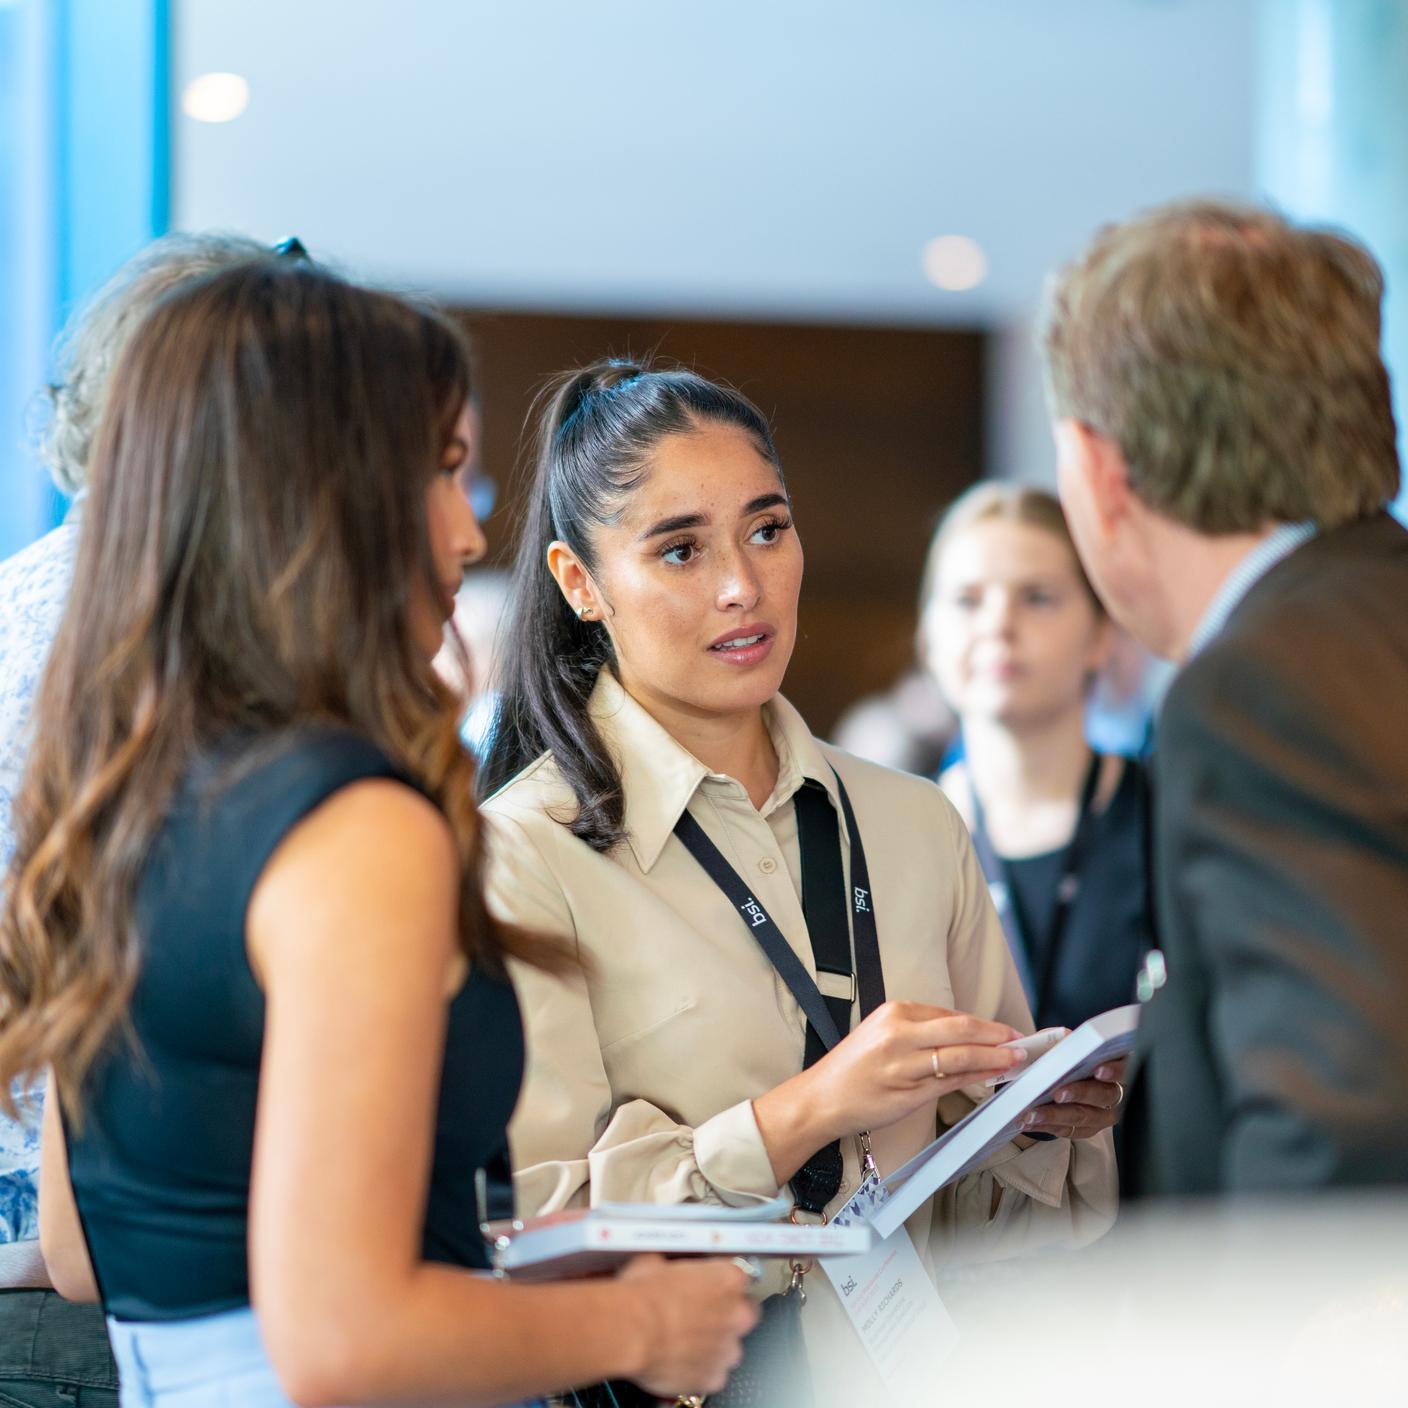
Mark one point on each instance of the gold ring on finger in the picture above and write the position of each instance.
(934, 1062)
(1120, 1088)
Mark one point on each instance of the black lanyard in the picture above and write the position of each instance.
(826, 903)
(1038, 986)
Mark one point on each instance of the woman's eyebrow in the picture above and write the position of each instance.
(773, 500)
(701, 520)
(673, 525)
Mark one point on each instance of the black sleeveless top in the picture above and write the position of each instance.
(161, 1166)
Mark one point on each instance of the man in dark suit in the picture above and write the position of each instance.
(1226, 450)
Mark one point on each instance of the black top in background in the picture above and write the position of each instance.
(1110, 925)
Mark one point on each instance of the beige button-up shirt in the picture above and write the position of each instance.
(643, 1066)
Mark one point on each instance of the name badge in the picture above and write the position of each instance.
(892, 1303)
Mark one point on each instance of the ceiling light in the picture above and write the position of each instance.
(954, 262)
(215, 97)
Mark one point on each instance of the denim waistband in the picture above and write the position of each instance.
(194, 1363)
(208, 1362)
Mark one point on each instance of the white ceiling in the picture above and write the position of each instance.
(767, 158)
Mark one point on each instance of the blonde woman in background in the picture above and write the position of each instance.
(1016, 636)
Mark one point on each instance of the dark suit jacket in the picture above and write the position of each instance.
(1276, 1057)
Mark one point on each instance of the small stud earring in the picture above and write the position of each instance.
(584, 613)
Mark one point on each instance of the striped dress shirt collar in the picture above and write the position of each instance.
(1243, 577)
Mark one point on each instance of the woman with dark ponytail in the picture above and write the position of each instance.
(552, 666)
(777, 973)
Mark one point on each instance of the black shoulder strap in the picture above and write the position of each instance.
(770, 938)
(824, 903)
(870, 973)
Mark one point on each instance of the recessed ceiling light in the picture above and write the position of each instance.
(215, 97)
(954, 262)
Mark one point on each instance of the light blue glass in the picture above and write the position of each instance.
(1332, 140)
(84, 162)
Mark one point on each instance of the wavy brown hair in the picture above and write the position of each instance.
(253, 542)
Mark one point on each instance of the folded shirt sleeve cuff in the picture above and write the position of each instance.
(1038, 1172)
(730, 1153)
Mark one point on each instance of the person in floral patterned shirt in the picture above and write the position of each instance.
(52, 1351)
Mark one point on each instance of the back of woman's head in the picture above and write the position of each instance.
(596, 430)
(258, 492)
(255, 539)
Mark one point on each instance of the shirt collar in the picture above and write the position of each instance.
(659, 775)
(1243, 577)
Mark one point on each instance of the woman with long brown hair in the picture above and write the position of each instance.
(244, 928)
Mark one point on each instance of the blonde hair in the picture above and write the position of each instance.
(93, 339)
(1007, 503)
(1234, 359)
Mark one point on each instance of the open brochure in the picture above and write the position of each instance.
(997, 1119)
(584, 1242)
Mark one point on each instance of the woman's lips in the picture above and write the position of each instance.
(1001, 669)
(746, 647)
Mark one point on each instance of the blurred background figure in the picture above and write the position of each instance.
(1017, 639)
(912, 726)
(909, 726)
(1123, 705)
(479, 608)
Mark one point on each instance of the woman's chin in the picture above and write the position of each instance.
(737, 696)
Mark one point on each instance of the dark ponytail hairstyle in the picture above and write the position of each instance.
(596, 430)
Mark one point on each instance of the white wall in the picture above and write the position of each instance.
(771, 158)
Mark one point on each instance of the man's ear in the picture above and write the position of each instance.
(1092, 468)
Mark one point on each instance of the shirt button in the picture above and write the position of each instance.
(767, 865)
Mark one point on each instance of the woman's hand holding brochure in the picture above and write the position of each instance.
(1071, 1068)
(1082, 1109)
